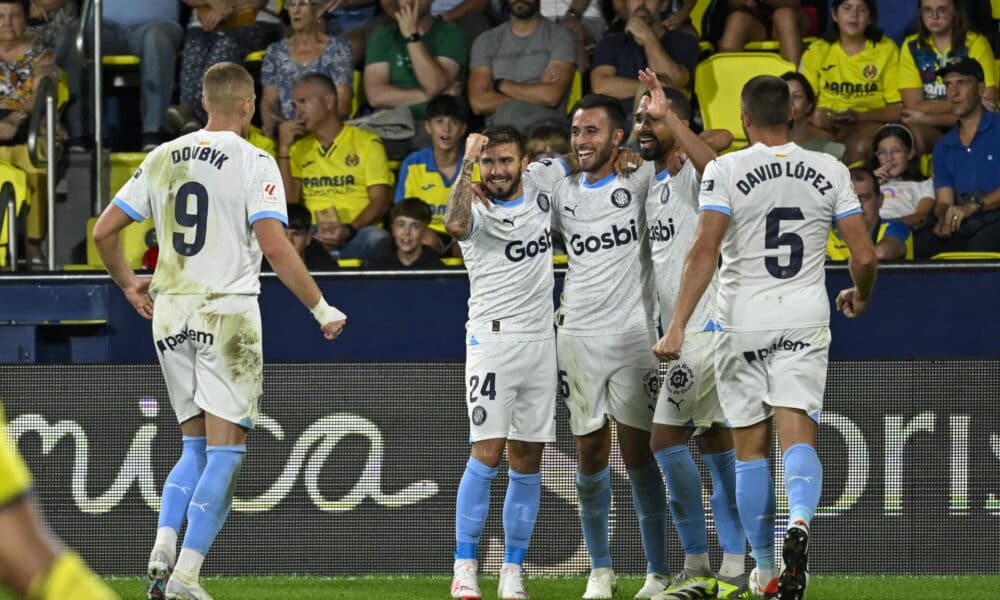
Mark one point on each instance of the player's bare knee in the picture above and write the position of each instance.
(593, 450)
(194, 427)
(666, 436)
(525, 457)
(717, 438)
(489, 451)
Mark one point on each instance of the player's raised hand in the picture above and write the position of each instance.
(669, 346)
(474, 146)
(138, 296)
(850, 303)
(332, 329)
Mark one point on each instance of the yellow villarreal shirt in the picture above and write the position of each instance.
(14, 476)
(339, 176)
(865, 81)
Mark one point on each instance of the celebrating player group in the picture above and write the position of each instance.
(744, 349)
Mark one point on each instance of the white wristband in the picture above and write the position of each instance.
(324, 313)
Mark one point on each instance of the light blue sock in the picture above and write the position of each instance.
(755, 498)
(684, 484)
(650, 500)
(803, 482)
(520, 511)
(727, 516)
(594, 492)
(213, 496)
(471, 507)
(181, 482)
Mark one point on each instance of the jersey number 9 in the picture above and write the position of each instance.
(196, 220)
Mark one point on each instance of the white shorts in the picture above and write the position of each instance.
(612, 375)
(510, 390)
(210, 352)
(688, 395)
(758, 370)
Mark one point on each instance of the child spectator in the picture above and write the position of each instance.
(853, 70)
(410, 219)
(300, 234)
(803, 132)
(547, 142)
(431, 172)
(908, 196)
(943, 33)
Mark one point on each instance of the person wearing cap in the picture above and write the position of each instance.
(966, 169)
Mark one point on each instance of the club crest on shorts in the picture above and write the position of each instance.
(621, 197)
(665, 194)
(478, 415)
(651, 382)
(680, 379)
(543, 202)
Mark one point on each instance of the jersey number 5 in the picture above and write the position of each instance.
(196, 220)
(774, 240)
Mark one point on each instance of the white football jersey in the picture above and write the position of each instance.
(508, 255)
(781, 201)
(609, 284)
(204, 191)
(672, 213)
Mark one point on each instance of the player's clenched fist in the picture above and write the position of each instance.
(474, 146)
(669, 346)
(850, 303)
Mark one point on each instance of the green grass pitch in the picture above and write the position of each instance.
(377, 587)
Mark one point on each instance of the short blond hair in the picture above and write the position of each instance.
(225, 85)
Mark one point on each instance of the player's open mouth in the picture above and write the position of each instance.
(499, 180)
(584, 154)
(646, 140)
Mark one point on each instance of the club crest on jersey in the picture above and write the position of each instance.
(665, 194)
(270, 190)
(680, 379)
(352, 160)
(478, 415)
(651, 381)
(621, 198)
(870, 71)
(543, 202)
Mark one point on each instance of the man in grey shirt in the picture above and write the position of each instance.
(521, 71)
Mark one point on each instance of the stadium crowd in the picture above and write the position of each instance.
(366, 104)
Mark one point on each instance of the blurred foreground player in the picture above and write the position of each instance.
(769, 208)
(33, 563)
(217, 203)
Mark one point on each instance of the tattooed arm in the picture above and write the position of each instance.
(458, 217)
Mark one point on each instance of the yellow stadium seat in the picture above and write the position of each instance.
(698, 14)
(358, 94)
(18, 179)
(255, 57)
(349, 262)
(927, 165)
(560, 259)
(719, 80)
(135, 239)
(705, 47)
(966, 256)
(771, 45)
(123, 166)
(120, 60)
(575, 91)
(452, 261)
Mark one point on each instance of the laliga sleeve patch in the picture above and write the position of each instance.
(708, 185)
(270, 190)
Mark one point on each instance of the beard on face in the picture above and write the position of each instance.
(506, 191)
(524, 9)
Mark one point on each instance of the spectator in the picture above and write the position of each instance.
(219, 31)
(54, 24)
(404, 250)
(470, 15)
(23, 64)
(891, 238)
(521, 70)
(966, 177)
(908, 196)
(338, 171)
(582, 17)
(300, 233)
(755, 20)
(431, 172)
(943, 34)
(676, 14)
(412, 60)
(619, 57)
(547, 142)
(854, 71)
(307, 49)
(803, 132)
(150, 31)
